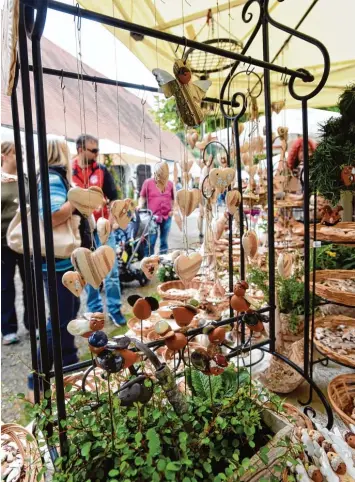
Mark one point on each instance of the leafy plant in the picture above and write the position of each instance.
(334, 256)
(167, 273)
(211, 442)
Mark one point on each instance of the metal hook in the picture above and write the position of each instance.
(95, 86)
(62, 86)
(78, 15)
(249, 69)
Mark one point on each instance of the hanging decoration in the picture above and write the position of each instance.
(188, 95)
(93, 266)
(74, 282)
(188, 200)
(150, 266)
(103, 227)
(86, 201)
(122, 211)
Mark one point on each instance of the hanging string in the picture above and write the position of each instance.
(117, 96)
(158, 97)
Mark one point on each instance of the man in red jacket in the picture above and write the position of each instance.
(88, 172)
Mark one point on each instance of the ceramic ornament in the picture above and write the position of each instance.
(217, 290)
(150, 266)
(122, 211)
(192, 138)
(221, 178)
(94, 266)
(348, 175)
(103, 227)
(257, 144)
(86, 201)
(143, 307)
(74, 282)
(186, 165)
(277, 106)
(250, 243)
(244, 147)
(188, 95)
(187, 267)
(188, 200)
(220, 225)
(177, 217)
(233, 199)
(86, 324)
(207, 138)
(284, 265)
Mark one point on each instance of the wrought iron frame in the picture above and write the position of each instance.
(32, 27)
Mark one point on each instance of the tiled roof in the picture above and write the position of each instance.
(130, 109)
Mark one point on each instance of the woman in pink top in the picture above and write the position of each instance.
(161, 205)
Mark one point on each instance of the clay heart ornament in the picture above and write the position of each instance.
(187, 200)
(284, 265)
(220, 225)
(150, 266)
(94, 266)
(161, 174)
(233, 199)
(277, 106)
(74, 282)
(86, 200)
(250, 243)
(192, 138)
(186, 165)
(103, 227)
(244, 147)
(257, 144)
(187, 267)
(221, 178)
(177, 218)
(122, 211)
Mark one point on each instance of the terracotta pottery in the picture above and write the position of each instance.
(150, 266)
(336, 463)
(233, 199)
(177, 218)
(218, 335)
(220, 225)
(188, 200)
(86, 200)
(250, 243)
(162, 327)
(103, 227)
(74, 282)
(187, 267)
(86, 324)
(97, 341)
(94, 266)
(207, 138)
(277, 106)
(192, 138)
(217, 290)
(186, 165)
(221, 178)
(284, 265)
(183, 315)
(238, 303)
(142, 309)
(129, 357)
(176, 342)
(349, 438)
(175, 254)
(122, 211)
(348, 175)
(244, 147)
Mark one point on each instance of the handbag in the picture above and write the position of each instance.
(66, 236)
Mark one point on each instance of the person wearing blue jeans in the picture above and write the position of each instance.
(112, 290)
(164, 230)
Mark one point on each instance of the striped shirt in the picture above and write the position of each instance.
(58, 196)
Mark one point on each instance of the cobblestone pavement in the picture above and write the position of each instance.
(16, 359)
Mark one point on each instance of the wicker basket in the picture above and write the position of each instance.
(27, 447)
(343, 235)
(135, 325)
(177, 285)
(341, 393)
(332, 322)
(328, 293)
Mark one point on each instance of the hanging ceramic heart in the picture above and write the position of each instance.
(187, 267)
(221, 178)
(123, 210)
(94, 266)
(220, 225)
(245, 157)
(233, 199)
(150, 266)
(207, 138)
(74, 282)
(277, 106)
(250, 243)
(186, 165)
(103, 227)
(284, 265)
(187, 200)
(257, 144)
(192, 138)
(244, 147)
(240, 127)
(86, 200)
(161, 174)
(177, 218)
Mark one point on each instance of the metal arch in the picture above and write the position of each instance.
(310, 381)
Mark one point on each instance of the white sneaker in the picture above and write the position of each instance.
(10, 339)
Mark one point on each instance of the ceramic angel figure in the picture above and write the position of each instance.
(188, 95)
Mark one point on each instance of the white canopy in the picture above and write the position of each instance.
(329, 21)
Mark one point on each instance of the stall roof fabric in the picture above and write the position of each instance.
(127, 131)
(329, 21)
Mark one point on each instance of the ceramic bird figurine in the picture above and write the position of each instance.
(188, 95)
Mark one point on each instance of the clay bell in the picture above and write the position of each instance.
(183, 315)
(238, 303)
(216, 335)
(97, 341)
(253, 322)
(143, 307)
(175, 341)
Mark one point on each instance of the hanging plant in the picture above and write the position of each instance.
(332, 166)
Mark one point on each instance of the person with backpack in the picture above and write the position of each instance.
(87, 171)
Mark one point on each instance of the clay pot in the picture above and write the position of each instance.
(183, 315)
(218, 335)
(142, 309)
(238, 303)
(129, 357)
(176, 342)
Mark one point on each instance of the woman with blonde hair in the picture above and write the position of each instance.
(68, 304)
(9, 258)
